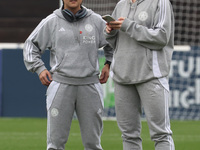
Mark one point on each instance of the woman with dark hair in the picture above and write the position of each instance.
(73, 34)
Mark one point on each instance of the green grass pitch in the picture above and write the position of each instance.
(30, 134)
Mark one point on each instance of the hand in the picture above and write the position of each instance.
(108, 28)
(116, 25)
(104, 74)
(45, 77)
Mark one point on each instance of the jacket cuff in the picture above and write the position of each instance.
(125, 25)
(39, 70)
(111, 34)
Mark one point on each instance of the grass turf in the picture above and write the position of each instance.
(30, 134)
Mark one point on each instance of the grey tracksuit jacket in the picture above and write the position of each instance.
(73, 48)
(144, 44)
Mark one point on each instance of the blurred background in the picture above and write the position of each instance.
(22, 94)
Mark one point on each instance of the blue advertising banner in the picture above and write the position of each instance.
(185, 85)
(22, 94)
(0, 82)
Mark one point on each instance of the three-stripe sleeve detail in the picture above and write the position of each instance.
(29, 47)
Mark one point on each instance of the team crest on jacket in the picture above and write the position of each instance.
(88, 27)
(143, 16)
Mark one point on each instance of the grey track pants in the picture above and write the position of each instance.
(154, 99)
(62, 101)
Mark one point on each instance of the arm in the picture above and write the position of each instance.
(156, 37)
(35, 45)
(110, 33)
(153, 38)
(108, 52)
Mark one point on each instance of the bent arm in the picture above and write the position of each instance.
(156, 37)
(35, 45)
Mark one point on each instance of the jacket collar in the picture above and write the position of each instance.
(138, 1)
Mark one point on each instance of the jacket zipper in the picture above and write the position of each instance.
(133, 6)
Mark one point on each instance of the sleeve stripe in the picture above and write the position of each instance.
(28, 56)
(29, 46)
(40, 26)
(162, 13)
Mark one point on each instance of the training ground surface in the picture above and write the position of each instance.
(30, 134)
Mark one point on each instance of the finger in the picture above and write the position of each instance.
(108, 27)
(46, 81)
(105, 78)
(108, 31)
(102, 75)
(114, 22)
(121, 18)
(43, 81)
(103, 81)
(116, 27)
(49, 76)
(43, 77)
(111, 22)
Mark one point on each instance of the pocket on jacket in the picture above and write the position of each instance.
(131, 66)
(149, 58)
(76, 64)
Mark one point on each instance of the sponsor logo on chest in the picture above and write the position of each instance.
(88, 39)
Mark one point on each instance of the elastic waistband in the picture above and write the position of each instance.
(75, 81)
